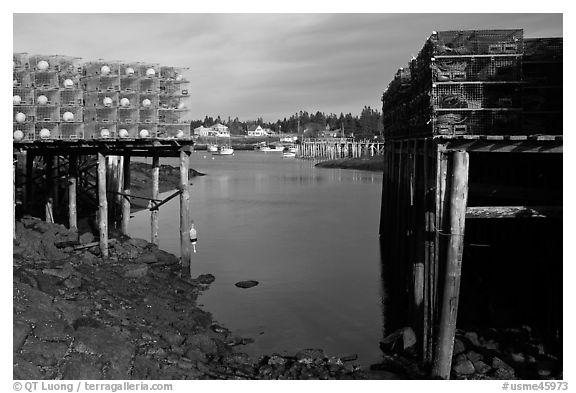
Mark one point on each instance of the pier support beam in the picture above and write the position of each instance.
(102, 205)
(72, 184)
(29, 181)
(185, 254)
(458, 198)
(49, 205)
(126, 197)
(155, 195)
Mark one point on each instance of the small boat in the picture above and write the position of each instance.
(212, 148)
(292, 149)
(224, 151)
(272, 148)
(287, 153)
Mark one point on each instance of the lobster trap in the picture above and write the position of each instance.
(170, 131)
(147, 100)
(549, 49)
(102, 115)
(45, 79)
(100, 99)
(69, 81)
(147, 130)
(72, 97)
(71, 114)
(128, 115)
(99, 130)
(24, 113)
(487, 122)
(542, 98)
(47, 97)
(475, 96)
(47, 113)
(22, 79)
(129, 100)
(148, 70)
(149, 85)
(21, 61)
(171, 116)
(129, 84)
(173, 102)
(478, 42)
(66, 64)
(174, 88)
(42, 63)
(130, 70)
(27, 129)
(102, 68)
(71, 130)
(47, 130)
(148, 116)
(127, 130)
(542, 123)
(26, 96)
(102, 83)
(462, 69)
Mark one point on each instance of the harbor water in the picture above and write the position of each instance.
(308, 235)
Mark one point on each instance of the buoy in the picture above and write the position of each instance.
(43, 65)
(104, 133)
(125, 102)
(179, 134)
(15, 83)
(146, 102)
(179, 77)
(68, 84)
(68, 116)
(20, 117)
(193, 237)
(150, 72)
(105, 70)
(17, 100)
(129, 71)
(42, 100)
(107, 101)
(144, 134)
(123, 133)
(18, 135)
(181, 105)
(44, 133)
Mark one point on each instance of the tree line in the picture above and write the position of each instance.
(366, 125)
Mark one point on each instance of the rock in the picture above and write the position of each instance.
(399, 341)
(490, 345)
(276, 360)
(459, 346)
(502, 374)
(20, 330)
(209, 279)
(111, 345)
(147, 258)
(52, 330)
(310, 355)
(89, 259)
(73, 283)
(220, 329)
(474, 356)
(82, 366)
(165, 258)
(25, 370)
(464, 367)
(202, 342)
(473, 338)
(138, 243)
(173, 338)
(138, 270)
(500, 364)
(195, 354)
(85, 238)
(481, 367)
(246, 284)
(70, 310)
(349, 358)
(43, 353)
(545, 368)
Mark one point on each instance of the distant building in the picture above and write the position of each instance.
(217, 129)
(259, 131)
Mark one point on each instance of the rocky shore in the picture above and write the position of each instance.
(366, 164)
(131, 316)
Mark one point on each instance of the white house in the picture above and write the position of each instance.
(256, 131)
(217, 129)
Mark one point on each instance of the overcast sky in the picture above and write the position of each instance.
(268, 65)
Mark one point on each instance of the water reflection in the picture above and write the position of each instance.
(308, 235)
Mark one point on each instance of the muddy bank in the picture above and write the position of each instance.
(365, 164)
(141, 181)
(132, 316)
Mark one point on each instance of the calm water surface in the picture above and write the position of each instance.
(308, 235)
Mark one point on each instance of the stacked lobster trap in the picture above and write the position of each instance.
(59, 97)
(461, 82)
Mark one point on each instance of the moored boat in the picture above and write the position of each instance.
(224, 150)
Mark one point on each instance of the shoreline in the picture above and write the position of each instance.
(375, 164)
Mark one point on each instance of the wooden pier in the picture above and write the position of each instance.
(72, 156)
(337, 148)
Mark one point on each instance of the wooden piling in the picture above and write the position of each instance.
(126, 196)
(185, 254)
(102, 205)
(458, 197)
(29, 180)
(155, 195)
(14, 161)
(72, 185)
(48, 206)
